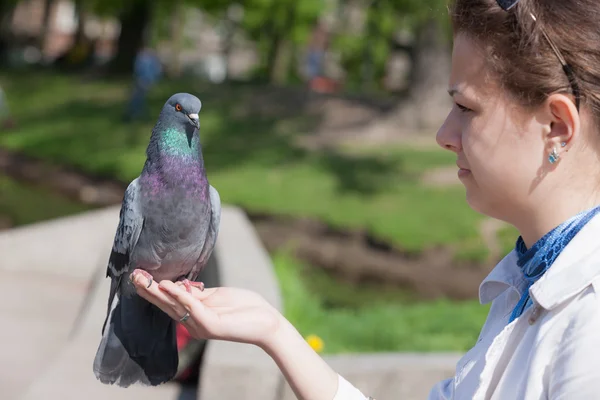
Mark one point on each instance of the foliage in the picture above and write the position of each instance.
(285, 26)
(372, 45)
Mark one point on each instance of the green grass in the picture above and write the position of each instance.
(373, 319)
(253, 162)
(24, 204)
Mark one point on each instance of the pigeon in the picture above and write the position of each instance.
(168, 225)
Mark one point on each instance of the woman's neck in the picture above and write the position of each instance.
(533, 225)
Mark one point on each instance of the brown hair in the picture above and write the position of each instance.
(520, 56)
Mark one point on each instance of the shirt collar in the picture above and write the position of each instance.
(573, 270)
(506, 274)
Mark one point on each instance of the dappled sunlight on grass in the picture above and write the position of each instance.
(372, 318)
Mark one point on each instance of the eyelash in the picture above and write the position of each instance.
(462, 108)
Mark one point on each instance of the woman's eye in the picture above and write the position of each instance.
(462, 108)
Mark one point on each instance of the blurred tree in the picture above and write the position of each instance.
(80, 53)
(235, 15)
(45, 27)
(177, 36)
(365, 47)
(134, 19)
(427, 101)
(81, 15)
(171, 18)
(280, 26)
(7, 8)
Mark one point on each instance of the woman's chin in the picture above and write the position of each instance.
(474, 201)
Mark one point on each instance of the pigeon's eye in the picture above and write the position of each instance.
(178, 107)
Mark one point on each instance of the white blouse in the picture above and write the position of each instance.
(552, 351)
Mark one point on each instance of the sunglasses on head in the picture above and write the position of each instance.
(506, 5)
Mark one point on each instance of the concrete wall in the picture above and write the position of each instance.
(53, 295)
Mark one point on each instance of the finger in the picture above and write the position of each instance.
(150, 291)
(194, 306)
(197, 293)
(180, 294)
(204, 321)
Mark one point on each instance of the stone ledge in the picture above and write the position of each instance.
(383, 376)
(74, 246)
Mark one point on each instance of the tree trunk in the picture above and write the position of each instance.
(273, 34)
(81, 17)
(7, 8)
(430, 72)
(228, 47)
(134, 21)
(283, 54)
(177, 31)
(45, 27)
(426, 104)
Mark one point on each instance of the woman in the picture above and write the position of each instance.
(525, 128)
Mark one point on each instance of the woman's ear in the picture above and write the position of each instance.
(565, 123)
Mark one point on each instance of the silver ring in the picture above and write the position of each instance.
(185, 317)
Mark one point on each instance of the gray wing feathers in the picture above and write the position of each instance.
(215, 215)
(128, 231)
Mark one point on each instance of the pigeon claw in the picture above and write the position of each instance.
(188, 285)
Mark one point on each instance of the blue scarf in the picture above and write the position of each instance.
(534, 262)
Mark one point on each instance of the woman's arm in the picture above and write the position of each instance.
(309, 376)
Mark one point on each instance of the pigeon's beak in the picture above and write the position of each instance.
(195, 120)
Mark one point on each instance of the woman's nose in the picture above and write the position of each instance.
(449, 136)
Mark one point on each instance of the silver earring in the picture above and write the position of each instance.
(563, 144)
(553, 157)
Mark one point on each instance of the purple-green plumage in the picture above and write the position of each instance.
(168, 226)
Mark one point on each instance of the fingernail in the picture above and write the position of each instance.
(138, 279)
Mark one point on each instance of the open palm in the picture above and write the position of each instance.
(221, 313)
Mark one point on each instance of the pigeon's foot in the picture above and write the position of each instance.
(188, 285)
(146, 275)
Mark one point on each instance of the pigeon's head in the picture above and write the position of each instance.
(183, 109)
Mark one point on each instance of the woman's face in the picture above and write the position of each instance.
(501, 150)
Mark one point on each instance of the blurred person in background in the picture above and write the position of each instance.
(318, 80)
(525, 129)
(146, 72)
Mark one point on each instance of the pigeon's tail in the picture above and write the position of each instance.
(138, 344)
